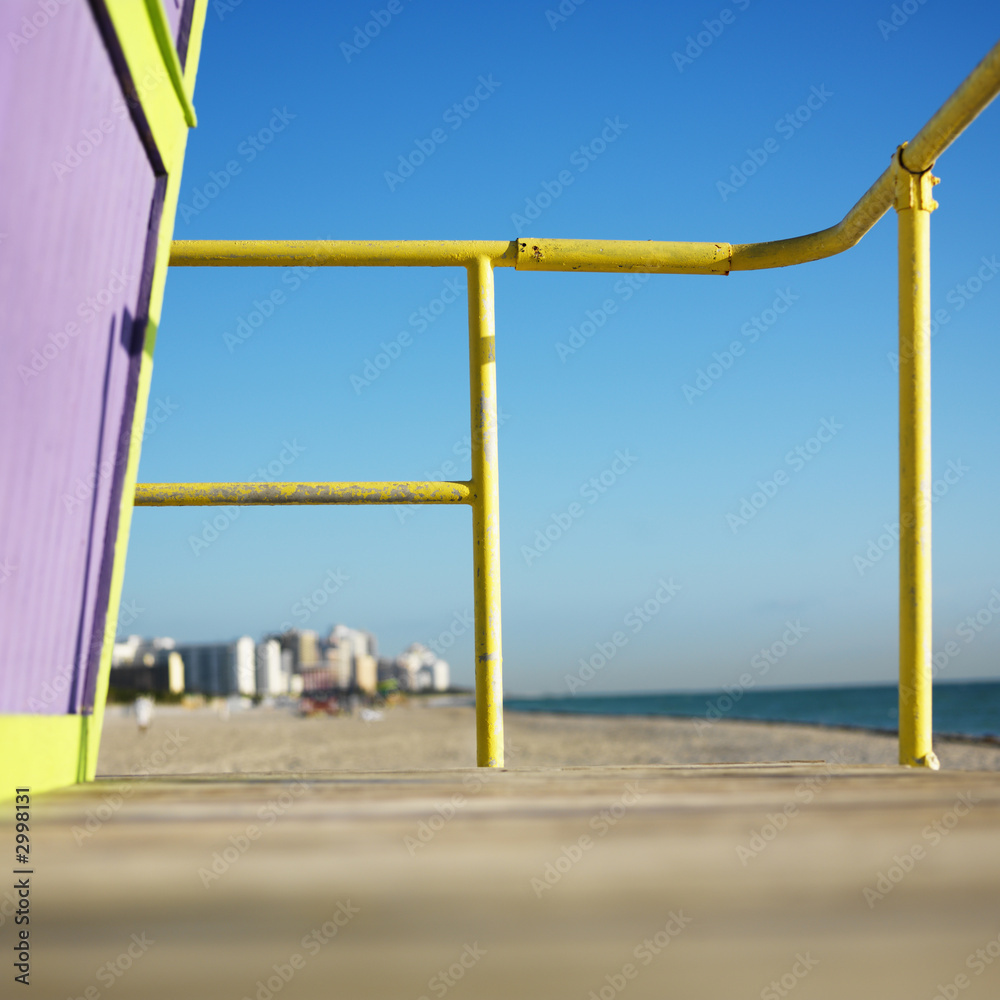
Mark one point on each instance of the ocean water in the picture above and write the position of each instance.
(971, 708)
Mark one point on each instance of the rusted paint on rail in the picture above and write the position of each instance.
(250, 494)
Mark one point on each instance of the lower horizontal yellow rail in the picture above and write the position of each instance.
(249, 494)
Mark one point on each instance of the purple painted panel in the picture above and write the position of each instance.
(76, 190)
(173, 9)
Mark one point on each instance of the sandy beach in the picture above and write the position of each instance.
(549, 877)
(420, 736)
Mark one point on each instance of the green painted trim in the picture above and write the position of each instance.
(144, 37)
(161, 29)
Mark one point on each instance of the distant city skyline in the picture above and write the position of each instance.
(291, 662)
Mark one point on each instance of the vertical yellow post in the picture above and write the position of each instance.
(914, 205)
(485, 515)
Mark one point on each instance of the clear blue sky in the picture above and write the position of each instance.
(347, 117)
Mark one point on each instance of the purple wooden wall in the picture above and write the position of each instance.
(78, 192)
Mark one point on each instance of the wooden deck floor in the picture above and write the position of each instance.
(655, 882)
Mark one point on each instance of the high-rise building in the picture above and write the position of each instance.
(420, 669)
(220, 669)
(150, 666)
(272, 677)
(351, 653)
(340, 662)
(299, 648)
(366, 673)
(434, 676)
(308, 647)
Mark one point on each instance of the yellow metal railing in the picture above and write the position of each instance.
(906, 185)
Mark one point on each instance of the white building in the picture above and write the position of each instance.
(245, 665)
(434, 676)
(272, 677)
(135, 650)
(340, 662)
(423, 670)
(349, 653)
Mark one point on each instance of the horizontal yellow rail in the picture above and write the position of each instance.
(341, 253)
(623, 255)
(955, 115)
(968, 100)
(974, 94)
(250, 494)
